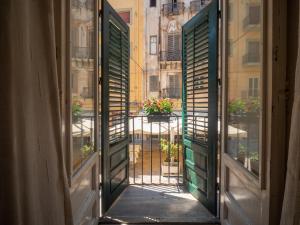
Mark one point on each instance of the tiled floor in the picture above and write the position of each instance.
(144, 204)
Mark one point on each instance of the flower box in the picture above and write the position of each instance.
(159, 117)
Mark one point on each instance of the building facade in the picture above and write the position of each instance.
(163, 46)
(132, 12)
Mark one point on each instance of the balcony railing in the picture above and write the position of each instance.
(83, 52)
(89, 4)
(196, 6)
(155, 150)
(174, 93)
(247, 22)
(170, 55)
(171, 9)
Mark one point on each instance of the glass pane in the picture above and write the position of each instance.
(82, 77)
(244, 82)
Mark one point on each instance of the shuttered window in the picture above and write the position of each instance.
(174, 43)
(254, 14)
(153, 83)
(174, 86)
(253, 87)
(253, 51)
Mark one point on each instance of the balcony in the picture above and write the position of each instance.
(173, 9)
(173, 93)
(196, 6)
(170, 55)
(82, 52)
(253, 22)
(155, 150)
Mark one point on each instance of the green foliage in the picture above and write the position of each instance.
(166, 146)
(76, 108)
(237, 106)
(242, 149)
(240, 106)
(254, 156)
(87, 149)
(253, 105)
(153, 105)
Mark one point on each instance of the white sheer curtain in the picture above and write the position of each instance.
(291, 204)
(33, 187)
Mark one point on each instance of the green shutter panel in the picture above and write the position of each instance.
(114, 105)
(200, 104)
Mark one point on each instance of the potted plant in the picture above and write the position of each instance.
(254, 163)
(236, 109)
(158, 110)
(86, 150)
(171, 161)
(76, 110)
(241, 155)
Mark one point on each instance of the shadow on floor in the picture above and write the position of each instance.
(157, 204)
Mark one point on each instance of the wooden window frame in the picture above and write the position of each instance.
(74, 175)
(259, 181)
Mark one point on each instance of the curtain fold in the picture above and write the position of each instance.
(33, 184)
(291, 203)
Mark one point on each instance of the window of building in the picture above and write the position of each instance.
(153, 45)
(173, 86)
(253, 87)
(153, 83)
(125, 16)
(253, 50)
(254, 14)
(152, 3)
(173, 45)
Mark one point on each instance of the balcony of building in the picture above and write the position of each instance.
(173, 8)
(251, 58)
(172, 93)
(197, 5)
(170, 55)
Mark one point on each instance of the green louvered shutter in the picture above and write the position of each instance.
(200, 104)
(114, 105)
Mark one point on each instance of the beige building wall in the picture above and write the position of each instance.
(166, 64)
(243, 62)
(136, 25)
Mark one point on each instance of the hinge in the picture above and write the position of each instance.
(100, 12)
(219, 81)
(100, 81)
(219, 14)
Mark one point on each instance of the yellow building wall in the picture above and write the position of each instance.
(239, 35)
(136, 8)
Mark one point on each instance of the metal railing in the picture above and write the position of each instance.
(89, 4)
(171, 9)
(171, 93)
(248, 22)
(155, 150)
(170, 55)
(83, 52)
(196, 6)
